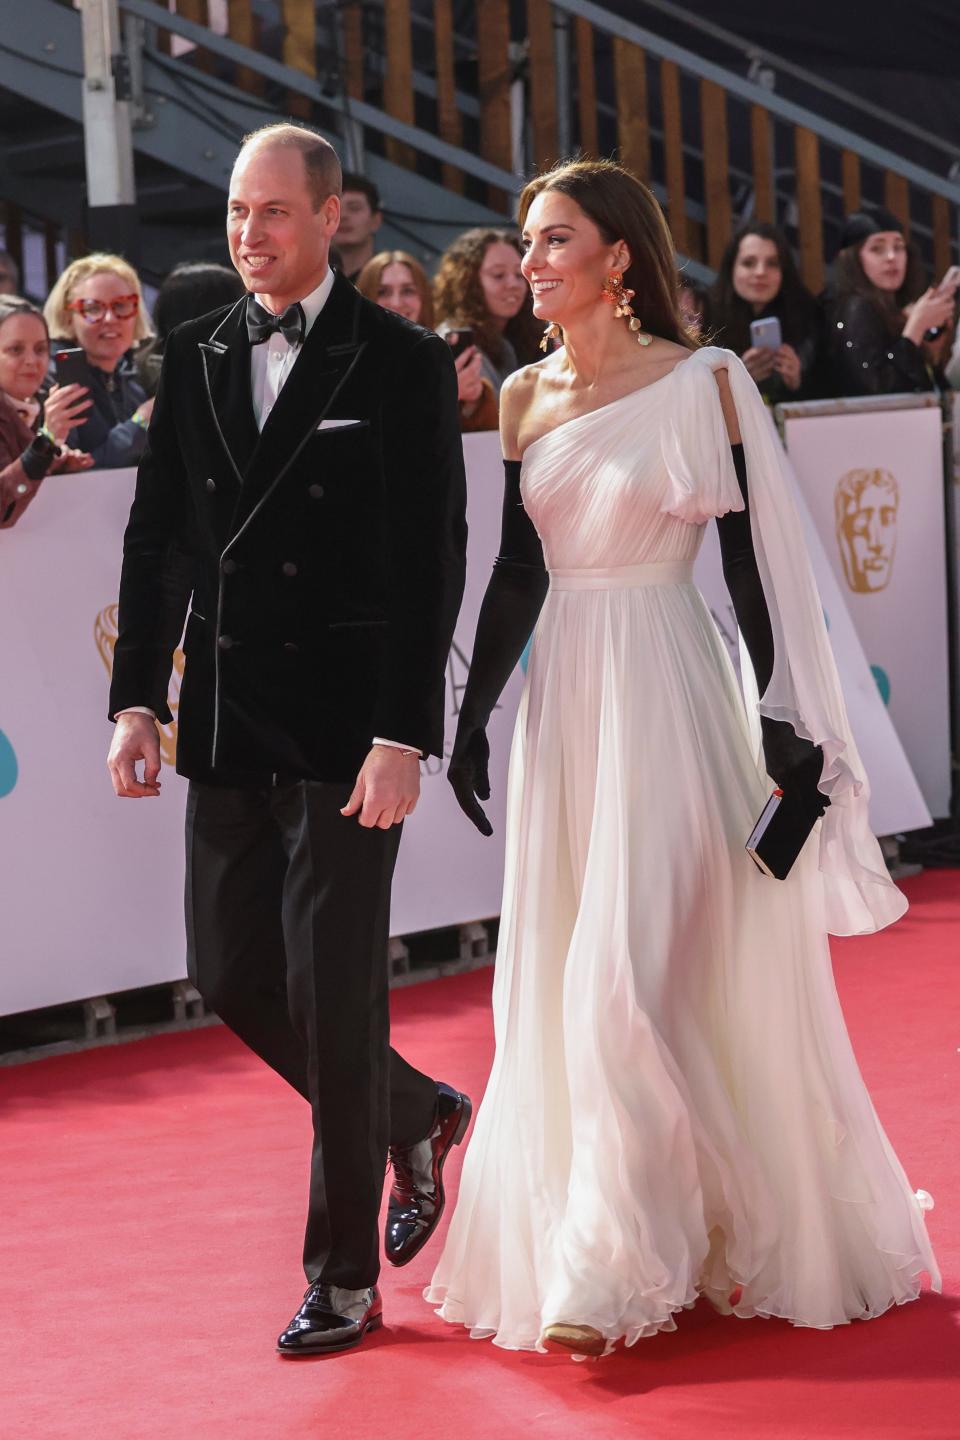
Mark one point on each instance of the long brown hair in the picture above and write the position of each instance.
(622, 208)
(368, 281)
(458, 296)
(850, 278)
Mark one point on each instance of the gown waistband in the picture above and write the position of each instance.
(624, 577)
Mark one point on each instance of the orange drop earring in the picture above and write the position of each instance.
(552, 332)
(617, 295)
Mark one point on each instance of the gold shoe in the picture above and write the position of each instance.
(565, 1339)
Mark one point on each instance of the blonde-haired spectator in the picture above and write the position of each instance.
(97, 305)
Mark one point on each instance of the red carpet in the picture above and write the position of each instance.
(152, 1202)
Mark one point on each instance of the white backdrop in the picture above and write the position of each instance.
(92, 886)
(873, 481)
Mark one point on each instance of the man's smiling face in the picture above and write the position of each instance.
(279, 236)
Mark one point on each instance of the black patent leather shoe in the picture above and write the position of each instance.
(416, 1196)
(331, 1319)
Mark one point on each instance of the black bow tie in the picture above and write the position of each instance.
(261, 324)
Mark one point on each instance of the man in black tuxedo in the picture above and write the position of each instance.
(305, 457)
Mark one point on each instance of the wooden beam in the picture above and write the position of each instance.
(543, 83)
(761, 143)
(896, 197)
(352, 20)
(449, 122)
(809, 207)
(942, 246)
(716, 169)
(586, 88)
(633, 129)
(398, 79)
(493, 84)
(299, 49)
(673, 152)
(241, 27)
(199, 12)
(850, 166)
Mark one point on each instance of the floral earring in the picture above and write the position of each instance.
(552, 332)
(615, 293)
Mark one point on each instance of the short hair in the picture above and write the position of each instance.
(852, 485)
(16, 305)
(368, 281)
(60, 320)
(192, 289)
(8, 263)
(363, 186)
(320, 160)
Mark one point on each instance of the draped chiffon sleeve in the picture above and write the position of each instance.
(804, 688)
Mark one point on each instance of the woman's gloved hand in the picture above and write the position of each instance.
(468, 772)
(795, 764)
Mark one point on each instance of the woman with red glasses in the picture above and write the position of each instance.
(97, 305)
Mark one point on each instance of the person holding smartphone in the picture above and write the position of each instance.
(96, 311)
(480, 293)
(760, 308)
(398, 282)
(887, 333)
(33, 432)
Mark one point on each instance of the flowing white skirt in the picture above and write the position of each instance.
(674, 1107)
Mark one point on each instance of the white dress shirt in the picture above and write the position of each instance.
(270, 365)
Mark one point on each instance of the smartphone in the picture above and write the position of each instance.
(951, 280)
(71, 367)
(459, 340)
(766, 334)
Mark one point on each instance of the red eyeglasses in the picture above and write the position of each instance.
(124, 307)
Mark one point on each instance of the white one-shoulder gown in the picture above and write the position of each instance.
(674, 1106)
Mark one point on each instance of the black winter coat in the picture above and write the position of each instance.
(326, 561)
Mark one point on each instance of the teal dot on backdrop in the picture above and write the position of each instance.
(883, 682)
(9, 770)
(525, 657)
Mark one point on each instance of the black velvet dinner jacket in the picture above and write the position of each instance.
(326, 560)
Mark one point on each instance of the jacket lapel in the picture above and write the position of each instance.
(327, 357)
(226, 372)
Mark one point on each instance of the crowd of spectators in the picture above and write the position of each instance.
(77, 378)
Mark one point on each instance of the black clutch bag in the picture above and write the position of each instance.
(780, 833)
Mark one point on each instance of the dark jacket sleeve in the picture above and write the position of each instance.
(790, 760)
(154, 583)
(426, 543)
(17, 488)
(108, 433)
(867, 360)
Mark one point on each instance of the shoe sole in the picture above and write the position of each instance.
(457, 1139)
(319, 1351)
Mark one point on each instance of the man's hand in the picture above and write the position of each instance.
(387, 788)
(135, 738)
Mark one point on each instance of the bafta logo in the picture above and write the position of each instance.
(866, 507)
(105, 630)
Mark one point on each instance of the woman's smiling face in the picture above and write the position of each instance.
(566, 259)
(24, 355)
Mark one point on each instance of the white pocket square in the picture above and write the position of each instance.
(335, 424)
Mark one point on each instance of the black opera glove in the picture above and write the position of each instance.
(468, 772)
(513, 601)
(795, 764)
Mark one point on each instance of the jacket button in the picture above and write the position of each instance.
(229, 566)
(289, 568)
(225, 641)
(211, 484)
(315, 492)
(290, 647)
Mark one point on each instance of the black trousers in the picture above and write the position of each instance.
(288, 909)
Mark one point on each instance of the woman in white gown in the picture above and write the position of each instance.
(674, 1107)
